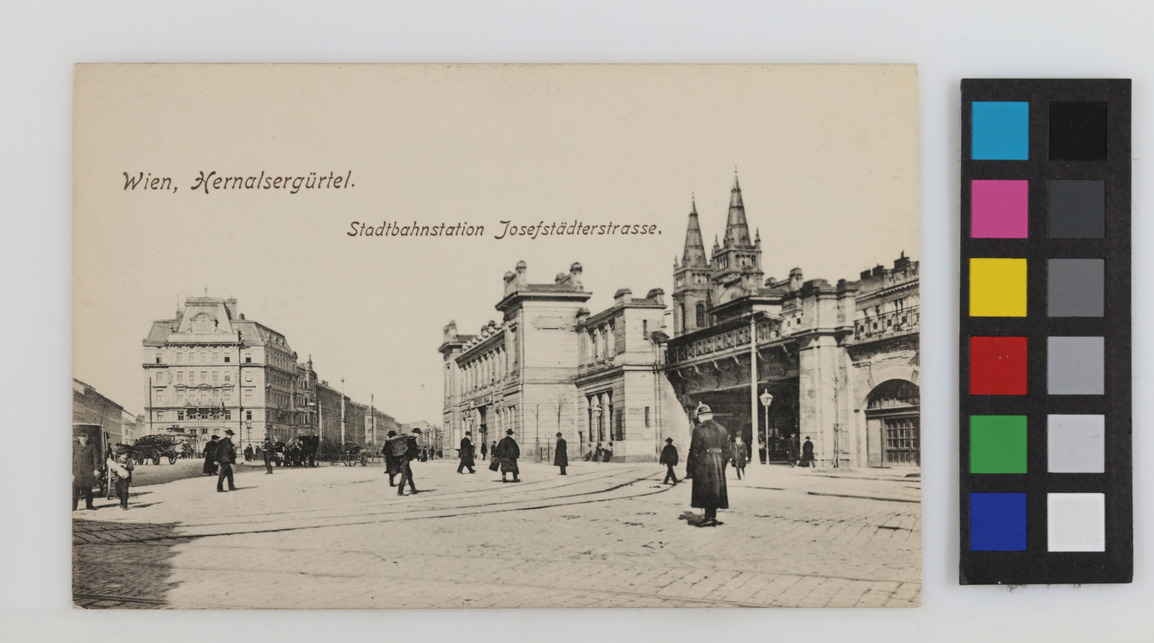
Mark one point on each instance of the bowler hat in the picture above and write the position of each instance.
(416, 430)
(229, 432)
(558, 434)
(468, 433)
(215, 437)
(392, 433)
(669, 440)
(508, 431)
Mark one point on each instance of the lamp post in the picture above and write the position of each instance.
(248, 427)
(766, 400)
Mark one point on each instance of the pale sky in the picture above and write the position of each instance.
(827, 157)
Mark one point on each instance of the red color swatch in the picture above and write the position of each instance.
(997, 366)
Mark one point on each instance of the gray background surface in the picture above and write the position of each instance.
(41, 41)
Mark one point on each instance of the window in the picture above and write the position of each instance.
(215, 377)
(180, 377)
(227, 414)
(215, 355)
(227, 378)
(158, 358)
(647, 420)
(180, 358)
(160, 396)
(192, 377)
(248, 415)
(248, 376)
(700, 315)
(248, 358)
(227, 395)
(645, 329)
(180, 415)
(227, 359)
(160, 416)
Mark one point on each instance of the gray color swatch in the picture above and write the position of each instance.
(1077, 209)
(1075, 365)
(1075, 287)
(1076, 443)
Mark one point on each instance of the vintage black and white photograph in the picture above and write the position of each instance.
(495, 336)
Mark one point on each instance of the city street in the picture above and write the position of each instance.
(606, 535)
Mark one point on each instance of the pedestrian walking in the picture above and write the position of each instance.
(120, 469)
(607, 454)
(391, 459)
(466, 453)
(669, 459)
(807, 459)
(210, 456)
(740, 456)
(708, 454)
(484, 450)
(561, 454)
(508, 452)
(226, 457)
(412, 452)
(248, 453)
(266, 452)
(85, 471)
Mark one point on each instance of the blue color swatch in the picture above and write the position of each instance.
(1001, 131)
(997, 522)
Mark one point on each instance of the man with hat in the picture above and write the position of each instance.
(507, 452)
(85, 471)
(226, 457)
(392, 466)
(669, 459)
(466, 453)
(561, 455)
(412, 453)
(709, 451)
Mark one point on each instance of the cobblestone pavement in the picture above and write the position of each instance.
(606, 535)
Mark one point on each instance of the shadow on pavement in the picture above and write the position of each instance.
(122, 565)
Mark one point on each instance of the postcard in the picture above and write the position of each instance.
(494, 336)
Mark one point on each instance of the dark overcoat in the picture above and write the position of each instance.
(508, 452)
(561, 455)
(740, 456)
(709, 450)
(210, 457)
(225, 452)
(467, 453)
(669, 456)
(85, 462)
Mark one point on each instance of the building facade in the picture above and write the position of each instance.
(90, 407)
(550, 366)
(840, 362)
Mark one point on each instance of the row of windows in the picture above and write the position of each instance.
(206, 357)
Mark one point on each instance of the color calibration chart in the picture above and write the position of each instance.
(1045, 332)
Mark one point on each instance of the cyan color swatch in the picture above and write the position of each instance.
(997, 522)
(1000, 131)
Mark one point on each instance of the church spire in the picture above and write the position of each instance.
(736, 227)
(694, 254)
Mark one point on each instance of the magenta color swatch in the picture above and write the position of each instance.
(999, 209)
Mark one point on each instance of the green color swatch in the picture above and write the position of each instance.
(997, 444)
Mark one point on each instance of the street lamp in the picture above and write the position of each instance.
(248, 427)
(766, 400)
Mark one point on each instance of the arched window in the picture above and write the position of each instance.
(681, 315)
(700, 314)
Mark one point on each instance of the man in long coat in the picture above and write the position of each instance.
(404, 464)
(508, 452)
(807, 454)
(669, 458)
(226, 457)
(561, 454)
(266, 453)
(392, 467)
(210, 456)
(85, 471)
(708, 453)
(466, 454)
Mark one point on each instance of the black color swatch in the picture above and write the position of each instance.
(1078, 131)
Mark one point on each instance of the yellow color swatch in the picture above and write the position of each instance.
(997, 287)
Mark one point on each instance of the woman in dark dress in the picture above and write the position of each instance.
(210, 456)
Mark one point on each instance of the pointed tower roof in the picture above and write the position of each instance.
(694, 254)
(736, 227)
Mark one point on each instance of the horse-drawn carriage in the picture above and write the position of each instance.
(153, 448)
(352, 454)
